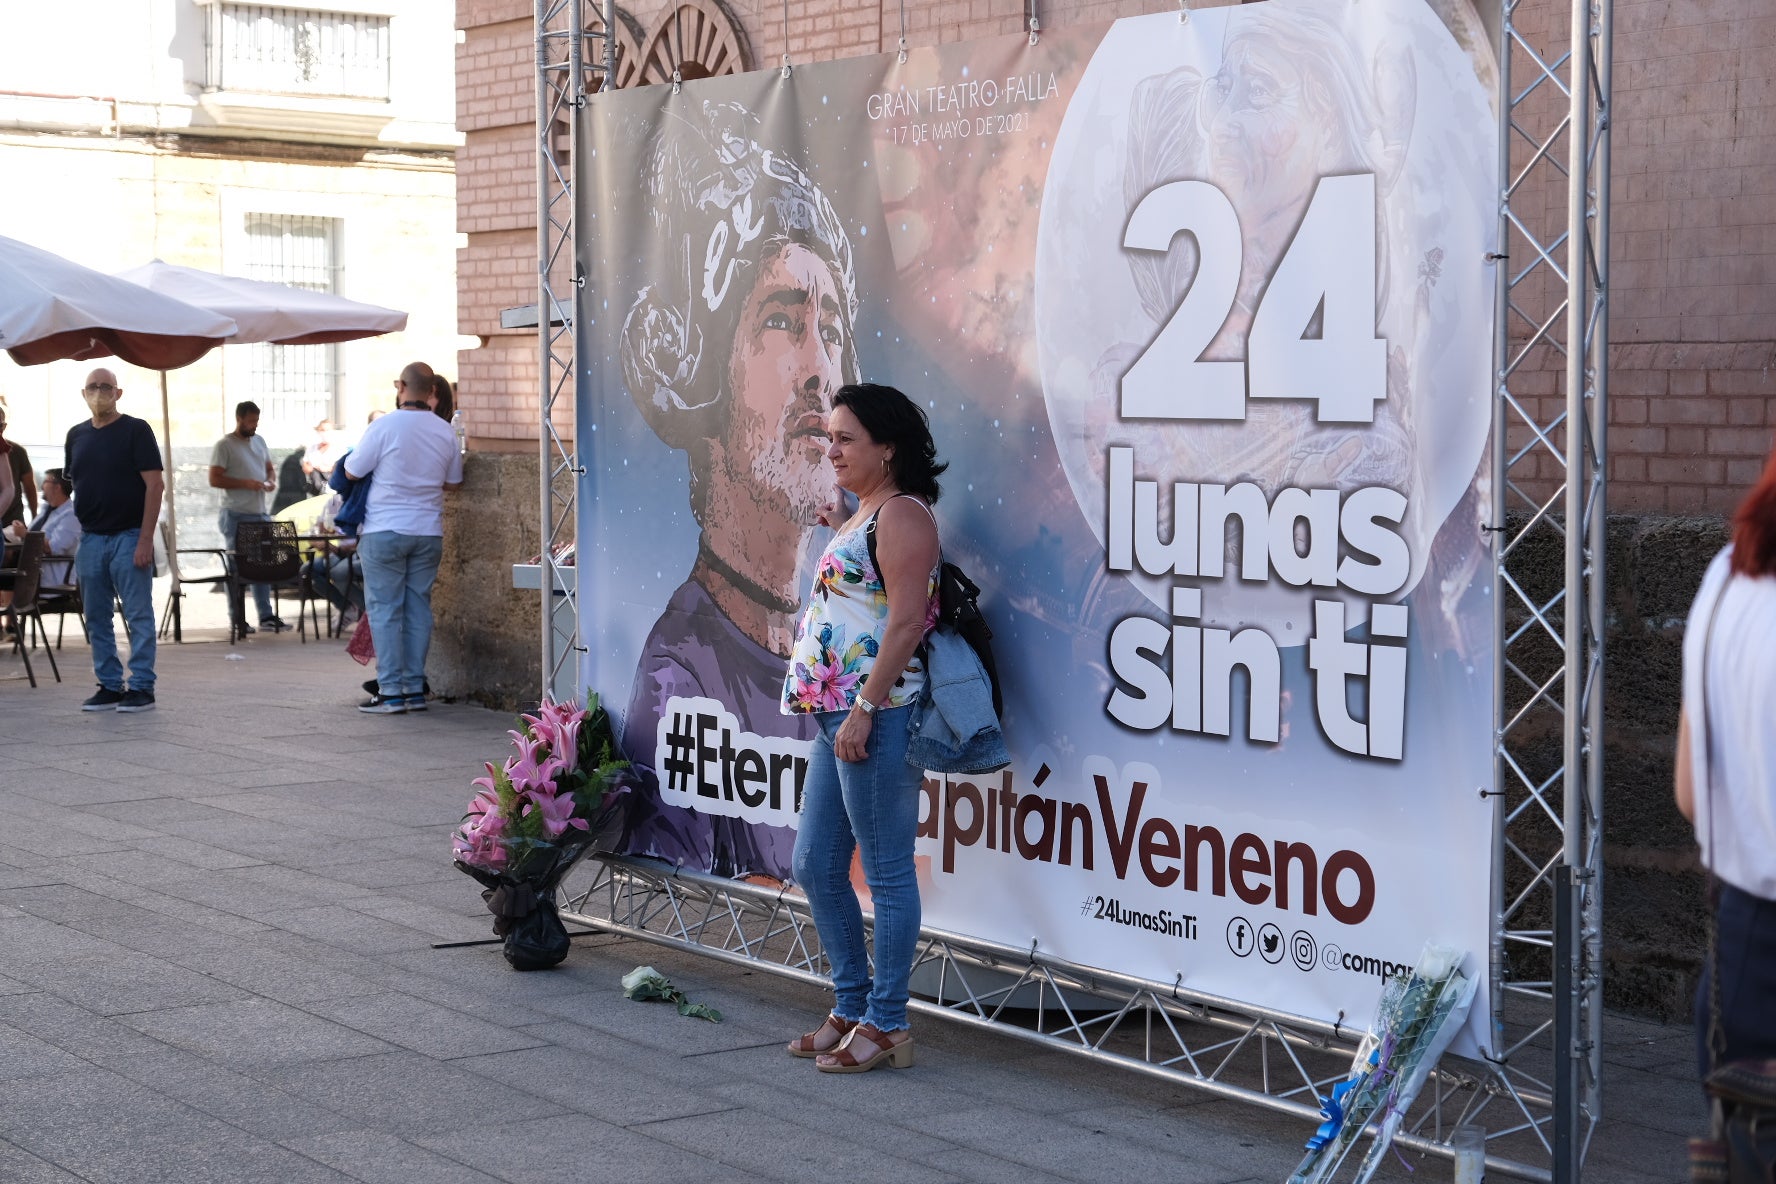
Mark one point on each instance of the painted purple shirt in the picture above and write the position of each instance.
(695, 651)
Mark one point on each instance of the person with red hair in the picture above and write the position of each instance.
(1726, 778)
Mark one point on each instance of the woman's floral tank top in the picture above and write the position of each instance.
(839, 632)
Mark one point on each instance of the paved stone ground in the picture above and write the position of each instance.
(216, 964)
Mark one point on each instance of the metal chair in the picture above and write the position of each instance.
(23, 611)
(265, 553)
(61, 599)
(173, 617)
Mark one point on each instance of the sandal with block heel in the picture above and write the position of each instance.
(813, 1044)
(876, 1048)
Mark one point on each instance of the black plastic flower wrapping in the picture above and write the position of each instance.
(534, 817)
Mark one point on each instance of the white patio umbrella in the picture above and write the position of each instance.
(53, 308)
(263, 312)
(277, 313)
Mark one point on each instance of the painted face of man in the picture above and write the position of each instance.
(787, 360)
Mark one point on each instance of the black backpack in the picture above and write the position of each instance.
(958, 608)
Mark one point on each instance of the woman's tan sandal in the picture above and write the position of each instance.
(828, 1036)
(876, 1048)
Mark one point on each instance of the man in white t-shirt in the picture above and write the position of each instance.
(411, 458)
(240, 466)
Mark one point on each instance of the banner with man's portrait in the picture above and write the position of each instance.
(1200, 310)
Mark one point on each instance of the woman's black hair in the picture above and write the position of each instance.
(891, 418)
(446, 397)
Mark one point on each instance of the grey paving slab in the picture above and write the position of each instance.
(461, 924)
(20, 858)
(96, 1039)
(202, 915)
(545, 1151)
(254, 1033)
(272, 974)
(352, 930)
(424, 1027)
(68, 1117)
(455, 985)
(236, 1158)
(31, 941)
(376, 1157)
(19, 877)
(385, 871)
(194, 854)
(18, 1166)
(134, 865)
(124, 981)
(24, 1055)
(370, 966)
(254, 1106)
(769, 1147)
(981, 1167)
(408, 1094)
(1064, 1149)
(585, 1082)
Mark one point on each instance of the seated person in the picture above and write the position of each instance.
(61, 530)
(331, 570)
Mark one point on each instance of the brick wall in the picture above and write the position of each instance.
(1693, 252)
(1693, 216)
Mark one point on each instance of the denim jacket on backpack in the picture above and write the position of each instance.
(355, 492)
(953, 729)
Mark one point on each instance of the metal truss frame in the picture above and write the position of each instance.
(1548, 497)
(1541, 1090)
(559, 47)
(1221, 1046)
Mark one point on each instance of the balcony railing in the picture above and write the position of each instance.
(271, 49)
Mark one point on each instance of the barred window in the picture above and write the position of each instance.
(294, 385)
(268, 48)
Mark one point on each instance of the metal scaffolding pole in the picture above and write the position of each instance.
(1549, 481)
(560, 97)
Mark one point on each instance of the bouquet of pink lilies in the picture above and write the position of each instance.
(532, 819)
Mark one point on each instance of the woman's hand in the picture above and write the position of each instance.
(852, 742)
(833, 513)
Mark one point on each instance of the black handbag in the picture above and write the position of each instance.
(1741, 1145)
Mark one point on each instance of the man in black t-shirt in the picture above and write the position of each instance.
(115, 467)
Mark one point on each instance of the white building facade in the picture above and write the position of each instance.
(308, 145)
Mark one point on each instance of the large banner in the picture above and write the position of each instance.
(1200, 310)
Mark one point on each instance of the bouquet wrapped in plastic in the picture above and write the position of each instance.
(1416, 1018)
(533, 819)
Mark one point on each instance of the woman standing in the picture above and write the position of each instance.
(853, 667)
(1726, 775)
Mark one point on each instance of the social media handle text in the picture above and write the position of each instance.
(1161, 923)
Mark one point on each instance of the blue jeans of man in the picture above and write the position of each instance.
(871, 807)
(108, 573)
(261, 592)
(399, 571)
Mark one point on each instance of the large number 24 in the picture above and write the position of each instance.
(1329, 267)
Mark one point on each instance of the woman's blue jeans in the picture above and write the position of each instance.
(871, 807)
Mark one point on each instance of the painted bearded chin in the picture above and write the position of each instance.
(783, 462)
